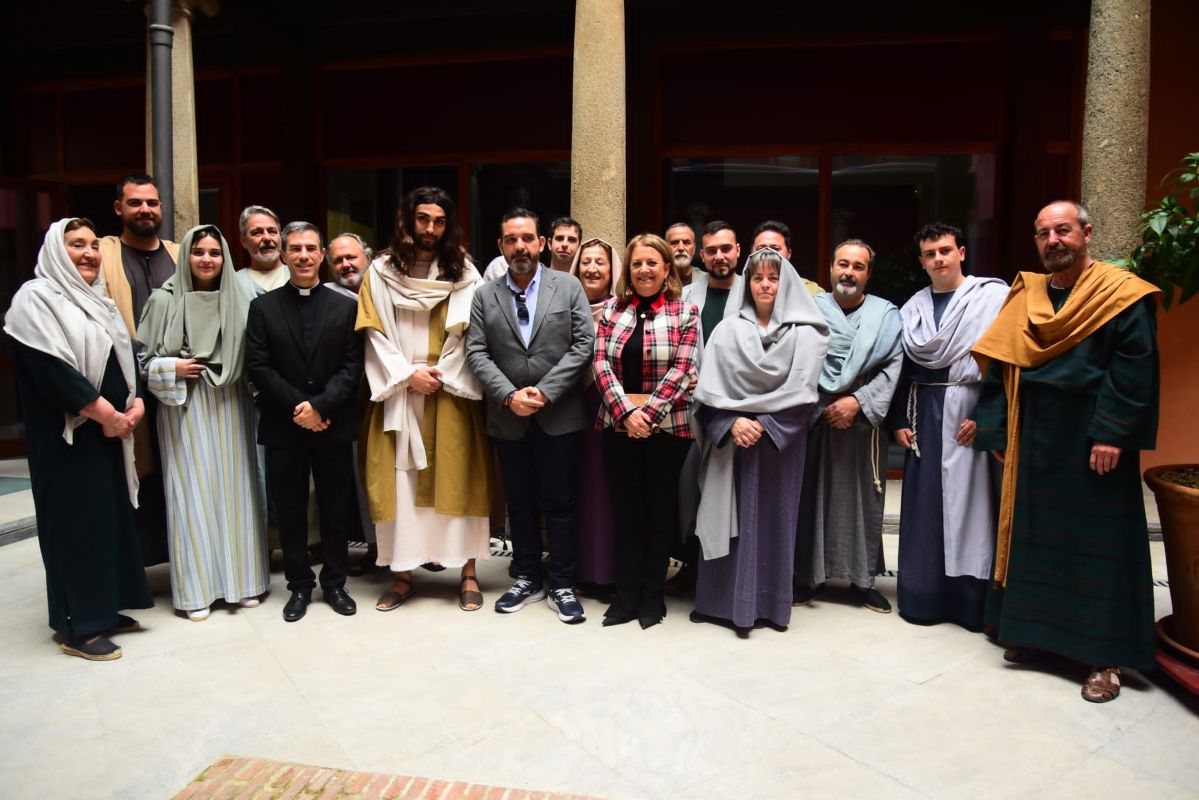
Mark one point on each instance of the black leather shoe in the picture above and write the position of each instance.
(341, 601)
(297, 605)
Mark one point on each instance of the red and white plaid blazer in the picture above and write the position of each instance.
(668, 363)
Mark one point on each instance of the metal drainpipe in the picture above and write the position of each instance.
(162, 37)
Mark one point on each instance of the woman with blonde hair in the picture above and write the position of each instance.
(645, 358)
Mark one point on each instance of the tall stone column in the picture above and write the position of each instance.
(183, 111)
(1116, 126)
(597, 147)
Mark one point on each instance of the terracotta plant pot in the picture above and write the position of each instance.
(1178, 507)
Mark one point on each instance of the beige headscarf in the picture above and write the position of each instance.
(616, 273)
(59, 314)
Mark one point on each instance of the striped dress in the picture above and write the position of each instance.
(216, 529)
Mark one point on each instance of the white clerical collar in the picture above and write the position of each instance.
(305, 291)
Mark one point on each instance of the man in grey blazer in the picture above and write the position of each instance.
(529, 342)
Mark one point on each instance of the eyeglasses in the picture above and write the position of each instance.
(522, 311)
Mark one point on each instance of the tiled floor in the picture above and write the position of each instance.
(846, 702)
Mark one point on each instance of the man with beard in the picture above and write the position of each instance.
(681, 239)
(303, 355)
(529, 342)
(259, 227)
(349, 257)
(1069, 398)
(133, 265)
(427, 458)
(777, 236)
(841, 506)
(137, 262)
(709, 291)
(564, 241)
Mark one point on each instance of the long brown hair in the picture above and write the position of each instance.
(451, 254)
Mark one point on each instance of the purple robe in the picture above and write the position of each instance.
(753, 581)
(594, 516)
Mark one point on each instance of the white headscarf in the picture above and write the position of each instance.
(615, 274)
(59, 314)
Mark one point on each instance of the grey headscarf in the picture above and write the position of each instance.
(179, 321)
(755, 370)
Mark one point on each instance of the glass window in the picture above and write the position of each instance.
(884, 200)
(365, 201)
(745, 191)
(543, 187)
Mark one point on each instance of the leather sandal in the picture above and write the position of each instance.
(391, 599)
(1102, 685)
(468, 599)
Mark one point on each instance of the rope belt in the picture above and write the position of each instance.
(911, 409)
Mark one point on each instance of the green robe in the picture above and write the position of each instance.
(84, 519)
(1079, 581)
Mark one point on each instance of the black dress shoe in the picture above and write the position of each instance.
(340, 600)
(297, 605)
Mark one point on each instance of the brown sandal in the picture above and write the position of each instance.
(1102, 685)
(469, 600)
(391, 599)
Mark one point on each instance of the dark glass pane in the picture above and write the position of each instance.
(884, 200)
(745, 192)
(365, 201)
(541, 187)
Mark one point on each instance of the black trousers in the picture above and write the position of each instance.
(540, 476)
(332, 469)
(643, 477)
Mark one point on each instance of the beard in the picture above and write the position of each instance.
(143, 227)
(722, 271)
(266, 258)
(847, 287)
(1059, 259)
(350, 280)
(521, 265)
(426, 243)
(682, 262)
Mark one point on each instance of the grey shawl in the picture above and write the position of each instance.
(59, 314)
(969, 526)
(859, 346)
(756, 371)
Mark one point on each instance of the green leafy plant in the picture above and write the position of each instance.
(1168, 255)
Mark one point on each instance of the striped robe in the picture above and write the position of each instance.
(216, 529)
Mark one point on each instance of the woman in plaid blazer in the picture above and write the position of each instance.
(645, 360)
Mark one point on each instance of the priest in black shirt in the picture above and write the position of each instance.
(303, 355)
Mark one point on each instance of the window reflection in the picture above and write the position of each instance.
(744, 191)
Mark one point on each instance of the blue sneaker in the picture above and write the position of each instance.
(523, 592)
(569, 609)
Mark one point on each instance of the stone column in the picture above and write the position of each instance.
(597, 147)
(183, 110)
(1116, 126)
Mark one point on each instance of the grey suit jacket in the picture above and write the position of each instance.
(559, 351)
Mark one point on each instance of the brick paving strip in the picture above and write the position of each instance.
(243, 778)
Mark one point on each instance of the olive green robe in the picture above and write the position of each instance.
(1079, 582)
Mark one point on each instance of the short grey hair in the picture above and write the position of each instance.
(856, 243)
(366, 251)
(1084, 216)
(299, 226)
(243, 221)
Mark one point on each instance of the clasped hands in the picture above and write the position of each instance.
(840, 413)
(308, 418)
(746, 432)
(527, 401)
(121, 424)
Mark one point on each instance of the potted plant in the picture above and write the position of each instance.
(1168, 256)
